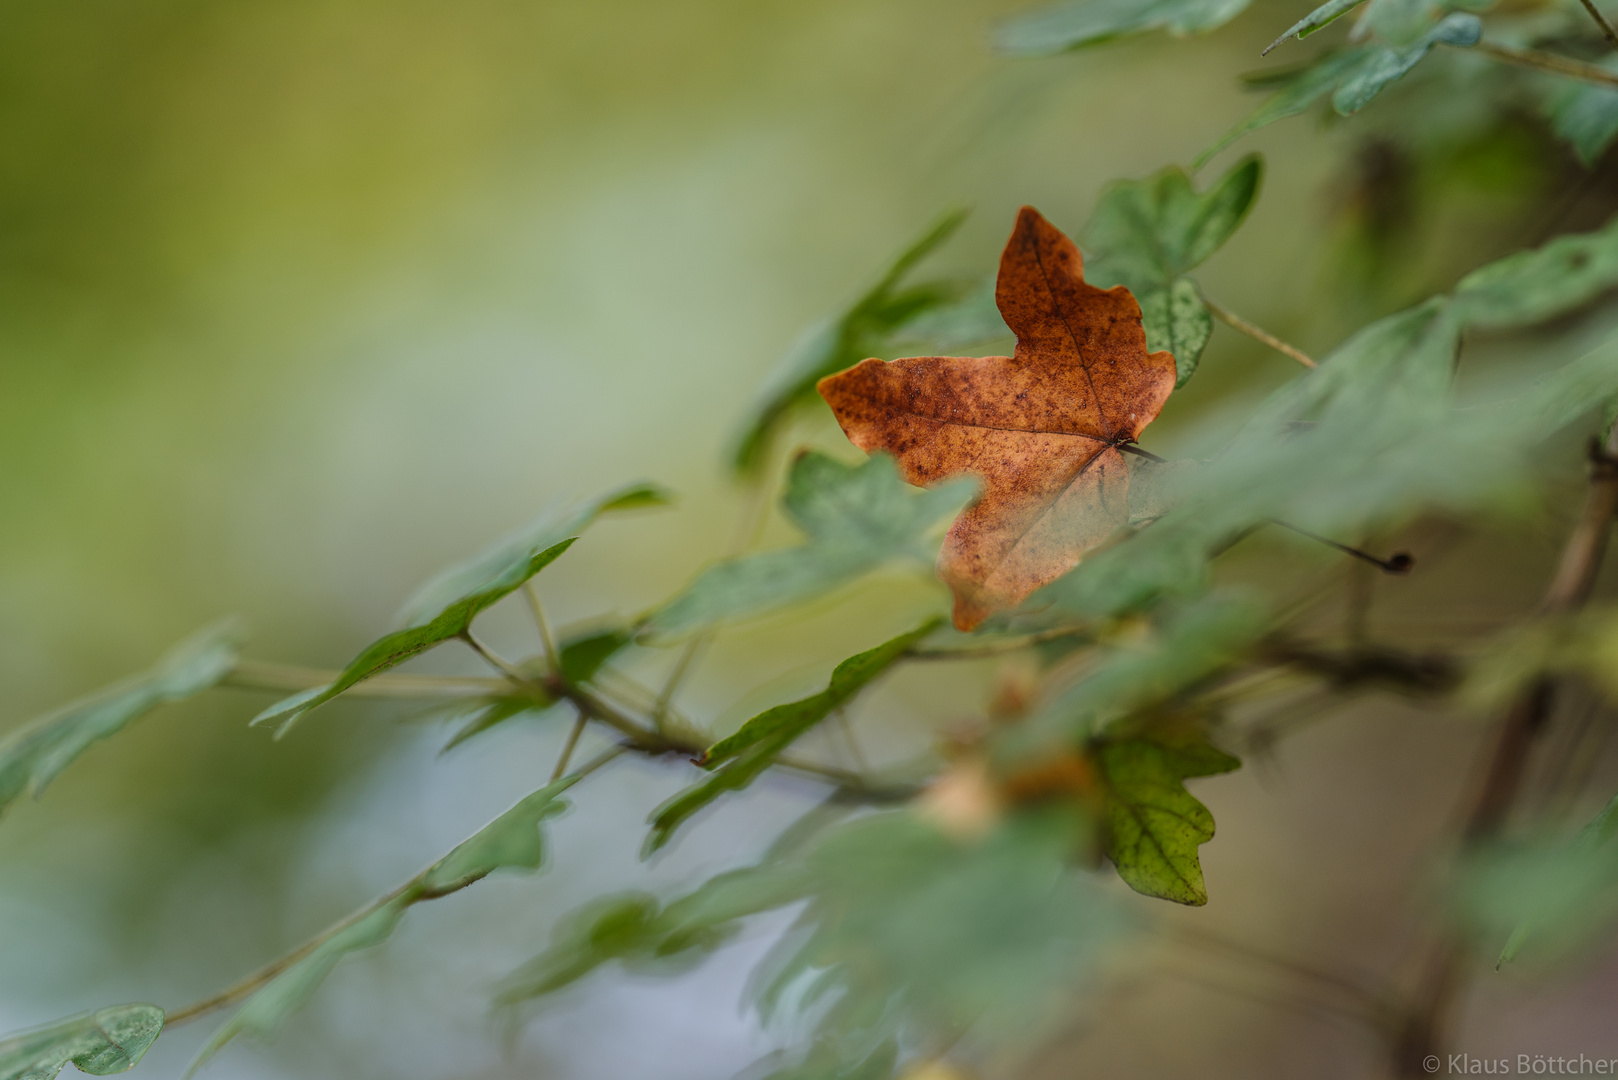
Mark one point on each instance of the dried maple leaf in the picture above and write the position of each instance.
(1041, 429)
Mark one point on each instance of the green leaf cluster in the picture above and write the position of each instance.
(35, 755)
(101, 1043)
(907, 935)
(510, 842)
(1353, 76)
(855, 517)
(1373, 434)
(1149, 234)
(739, 759)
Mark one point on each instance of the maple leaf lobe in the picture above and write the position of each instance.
(1040, 428)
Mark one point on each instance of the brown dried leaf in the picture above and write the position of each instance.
(1040, 428)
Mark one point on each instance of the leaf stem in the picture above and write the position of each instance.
(845, 727)
(1257, 333)
(1601, 20)
(1400, 562)
(579, 725)
(1544, 61)
(246, 987)
(754, 514)
(500, 664)
(546, 638)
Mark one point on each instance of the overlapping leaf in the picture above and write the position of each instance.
(1040, 428)
(510, 842)
(905, 934)
(740, 758)
(444, 608)
(1148, 234)
(35, 755)
(862, 330)
(856, 518)
(102, 1043)
(1090, 22)
(1352, 76)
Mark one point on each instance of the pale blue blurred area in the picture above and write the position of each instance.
(301, 301)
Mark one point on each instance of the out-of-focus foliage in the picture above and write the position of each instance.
(1583, 644)
(856, 519)
(1091, 22)
(1585, 115)
(739, 758)
(1553, 895)
(102, 1043)
(909, 938)
(510, 842)
(35, 755)
(1148, 234)
(1352, 76)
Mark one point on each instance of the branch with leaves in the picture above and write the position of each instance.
(944, 904)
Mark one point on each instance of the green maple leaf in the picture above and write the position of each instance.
(1153, 824)
(1148, 234)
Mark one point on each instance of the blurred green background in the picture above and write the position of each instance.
(301, 300)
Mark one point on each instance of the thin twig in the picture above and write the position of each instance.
(682, 668)
(246, 987)
(1257, 333)
(1544, 61)
(546, 639)
(505, 667)
(846, 727)
(1400, 562)
(1601, 20)
(1376, 1003)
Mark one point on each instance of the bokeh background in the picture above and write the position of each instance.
(301, 300)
